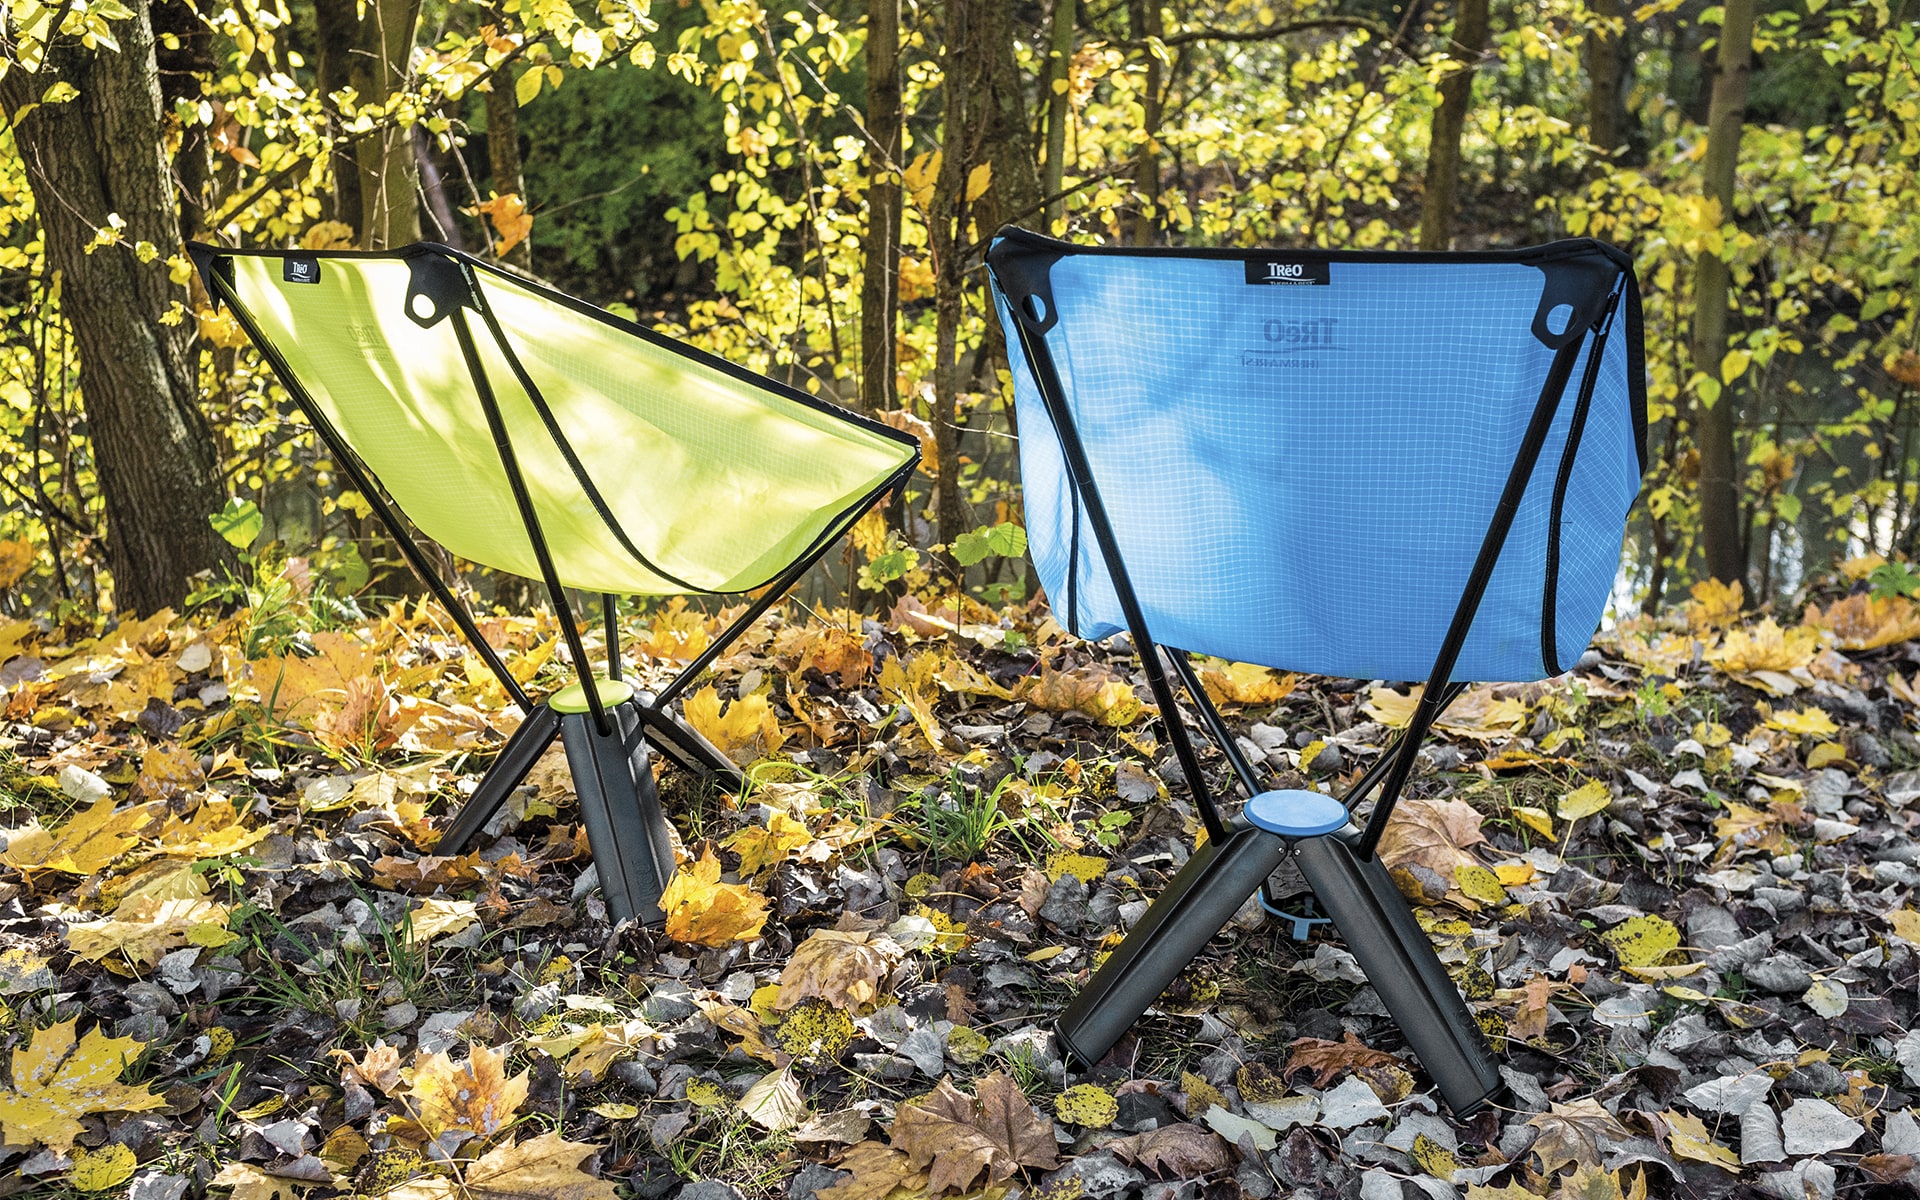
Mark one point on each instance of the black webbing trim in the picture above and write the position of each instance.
(1576, 428)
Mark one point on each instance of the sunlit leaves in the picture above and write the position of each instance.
(57, 1079)
(703, 910)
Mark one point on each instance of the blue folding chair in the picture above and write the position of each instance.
(1348, 463)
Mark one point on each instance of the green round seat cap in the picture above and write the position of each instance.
(573, 697)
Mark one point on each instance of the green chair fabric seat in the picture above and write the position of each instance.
(532, 433)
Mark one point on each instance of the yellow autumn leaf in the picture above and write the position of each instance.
(745, 729)
(979, 180)
(1715, 605)
(162, 915)
(1479, 884)
(1087, 1105)
(1687, 1137)
(474, 1096)
(1245, 683)
(16, 555)
(1825, 754)
(1084, 867)
(90, 841)
(57, 1080)
(845, 969)
(1589, 798)
(1906, 924)
(1864, 622)
(764, 846)
(1765, 647)
(548, 1166)
(1536, 819)
(437, 916)
(103, 1169)
(1642, 941)
(703, 911)
(1804, 722)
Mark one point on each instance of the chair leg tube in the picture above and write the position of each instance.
(683, 746)
(1198, 904)
(1399, 960)
(516, 758)
(626, 831)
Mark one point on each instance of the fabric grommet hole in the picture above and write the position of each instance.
(1558, 318)
(1036, 308)
(422, 306)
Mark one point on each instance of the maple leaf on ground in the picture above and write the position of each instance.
(1861, 622)
(1181, 1150)
(378, 1068)
(703, 911)
(1327, 1059)
(746, 730)
(547, 1167)
(146, 926)
(1245, 683)
(1595, 1183)
(57, 1080)
(91, 840)
(877, 1171)
(958, 1139)
(1432, 833)
(764, 846)
(844, 969)
(1572, 1133)
(475, 1097)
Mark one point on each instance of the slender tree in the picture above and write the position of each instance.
(1720, 533)
(1144, 21)
(1440, 197)
(1058, 78)
(880, 275)
(1609, 64)
(366, 45)
(94, 158)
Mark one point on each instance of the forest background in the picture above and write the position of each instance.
(807, 189)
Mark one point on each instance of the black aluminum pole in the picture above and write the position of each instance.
(610, 611)
(364, 484)
(523, 499)
(1081, 473)
(1216, 725)
(1490, 546)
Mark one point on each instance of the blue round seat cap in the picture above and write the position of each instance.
(1295, 814)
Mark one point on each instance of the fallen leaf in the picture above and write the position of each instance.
(91, 840)
(103, 1169)
(763, 846)
(703, 911)
(1087, 1105)
(1572, 1133)
(1431, 833)
(57, 1080)
(960, 1139)
(1584, 801)
(1181, 1150)
(745, 730)
(474, 1096)
(876, 1171)
(1687, 1137)
(547, 1167)
(774, 1102)
(1643, 941)
(437, 915)
(1328, 1059)
(1245, 683)
(844, 969)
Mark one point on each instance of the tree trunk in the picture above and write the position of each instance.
(1058, 78)
(880, 278)
(336, 28)
(99, 154)
(946, 240)
(1144, 21)
(181, 69)
(1000, 132)
(1714, 423)
(1609, 63)
(1439, 201)
(503, 157)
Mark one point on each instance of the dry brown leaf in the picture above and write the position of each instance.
(1431, 833)
(877, 1171)
(1089, 691)
(1861, 622)
(844, 969)
(960, 1139)
(378, 1068)
(1572, 1133)
(1327, 1059)
(1179, 1151)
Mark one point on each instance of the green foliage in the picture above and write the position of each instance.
(1005, 539)
(1893, 579)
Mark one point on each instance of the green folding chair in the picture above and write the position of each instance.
(529, 432)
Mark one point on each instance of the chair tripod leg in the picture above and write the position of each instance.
(1198, 903)
(1381, 933)
(516, 758)
(683, 746)
(626, 831)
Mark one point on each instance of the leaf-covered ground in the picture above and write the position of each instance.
(1677, 884)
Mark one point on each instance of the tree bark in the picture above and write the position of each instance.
(181, 70)
(376, 176)
(336, 27)
(503, 157)
(880, 277)
(1608, 65)
(1439, 201)
(1714, 423)
(1058, 77)
(100, 154)
(1144, 20)
(1001, 133)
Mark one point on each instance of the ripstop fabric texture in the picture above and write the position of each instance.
(716, 477)
(1300, 475)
